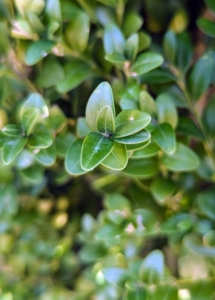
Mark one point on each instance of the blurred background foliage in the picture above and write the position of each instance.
(147, 232)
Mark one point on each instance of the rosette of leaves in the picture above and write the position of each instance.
(107, 134)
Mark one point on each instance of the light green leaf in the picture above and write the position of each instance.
(101, 97)
(132, 23)
(131, 47)
(35, 100)
(95, 149)
(136, 138)
(75, 73)
(152, 268)
(47, 156)
(117, 159)
(108, 231)
(182, 160)
(200, 76)
(63, 143)
(162, 188)
(206, 203)
(146, 62)
(73, 159)
(37, 51)
(147, 103)
(116, 201)
(167, 112)
(115, 58)
(139, 293)
(164, 137)
(12, 130)
(9, 202)
(170, 46)
(144, 41)
(144, 168)
(12, 148)
(130, 121)
(194, 243)
(149, 150)
(113, 39)
(207, 26)
(78, 27)
(128, 104)
(40, 138)
(105, 121)
(29, 118)
(82, 127)
(3, 139)
(135, 147)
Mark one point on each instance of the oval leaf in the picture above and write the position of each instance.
(35, 101)
(105, 121)
(167, 112)
(29, 119)
(47, 156)
(161, 188)
(146, 62)
(136, 138)
(114, 40)
(164, 137)
(147, 151)
(37, 51)
(13, 130)
(12, 148)
(144, 168)
(40, 138)
(117, 159)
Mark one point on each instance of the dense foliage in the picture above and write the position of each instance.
(107, 149)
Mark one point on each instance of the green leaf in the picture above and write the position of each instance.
(184, 52)
(164, 291)
(131, 47)
(149, 150)
(157, 76)
(128, 104)
(208, 117)
(200, 76)
(132, 23)
(13, 130)
(95, 149)
(136, 138)
(12, 148)
(40, 138)
(78, 27)
(105, 121)
(207, 26)
(111, 3)
(144, 41)
(47, 156)
(63, 143)
(24, 160)
(162, 188)
(167, 112)
(75, 73)
(146, 62)
(35, 101)
(3, 139)
(135, 147)
(193, 242)
(108, 231)
(73, 159)
(130, 121)
(53, 15)
(138, 294)
(9, 202)
(170, 46)
(211, 5)
(144, 168)
(101, 97)
(82, 127)
(115, 58)
(164, 137)
(152, 268)
(29, 118)
(113, 39)
(51, 73)
(37, 51)
(116, 201)
(117, 159)
(57, 118)
(188, 128)
(147, 103)
(206, 203)
(182, 160)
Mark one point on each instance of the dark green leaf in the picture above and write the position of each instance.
(131, 24)
(208, 117)
(207, 204)
(40, 138)
(101, 97)
(130, 121)
(138, 294)
(164, 137)
(188, 128)
(182, 160)
(144, 168)
(170, 46)
(207, 26)
(200, 76)
(12, 130)
(167, 112)
(75, 73)
(146, 62)
(117, 159)
(37, 51)
(152, 268)
(211, 5)
(114, 40)
(12, 148)
(184, 52)
(157, 76)
(162, 188)
(3, 139)
(47, 156)
(131, 47)
(95, 149)
(149, 150)
(135, 138)
(29, 118)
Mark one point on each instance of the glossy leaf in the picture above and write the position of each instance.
(12, 130)
(146, 62)
(167, 112)
(79, 26)
(29, 118)
(73, 159)
(114, 40)
(12, 148)
(130, 121)
(145, 168)
(131, 47)
(170, 46)
(182, 160)
(3, 139)
(152, 268)
(162, 188)
(207, 26)
(37, 51)
(200, 76)
(115, 58)
(35, 101)
(95, 149)
(105, 121)
(184, 52)
(82, 127)
(40, 138)
(136, 138)
(117, 159)
(164, 137)
(149, 150)
(101, 97)
(47, 156)
(147, 103)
